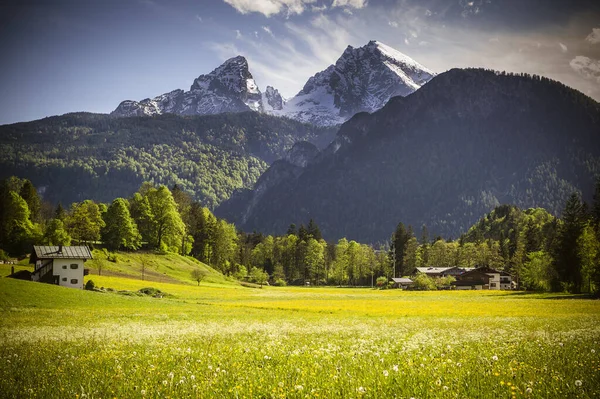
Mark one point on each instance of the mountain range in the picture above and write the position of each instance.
(362, 79)
(443, 156)
(425, 149)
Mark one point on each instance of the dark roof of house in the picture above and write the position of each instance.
(60, 252)
(487, 269)
(432, 270)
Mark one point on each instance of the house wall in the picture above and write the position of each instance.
(68, 276)
(505, 282)
(494, 283)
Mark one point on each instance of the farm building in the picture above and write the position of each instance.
(403, 283)
(61, 265)
(483, 278)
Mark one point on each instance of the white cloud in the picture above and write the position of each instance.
(268, 30)
(199, 18)
(586, 67)
(238, 34)
(350, 3)
(318, 8)
(563, 48)
(393, 24)
(270, 7)
(594, 37)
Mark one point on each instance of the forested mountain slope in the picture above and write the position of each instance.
(464, 143)
(94, 156)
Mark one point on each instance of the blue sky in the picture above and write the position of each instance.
(89, 55)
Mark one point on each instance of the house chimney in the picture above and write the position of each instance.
(60, 249)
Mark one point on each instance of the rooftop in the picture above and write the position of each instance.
(60, 252)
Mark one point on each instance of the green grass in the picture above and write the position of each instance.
(231, 341)
(5, 269)
(171, 268)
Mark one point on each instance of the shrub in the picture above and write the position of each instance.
(280, 283)
(151, 291)
(90, 285)
(381, 282)
(424, 282)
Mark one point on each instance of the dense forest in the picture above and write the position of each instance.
(542, 252)
(466, 142)
(92, 156)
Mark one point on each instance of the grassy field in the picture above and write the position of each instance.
(227, 341)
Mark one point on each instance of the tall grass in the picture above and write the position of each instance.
(294, 343)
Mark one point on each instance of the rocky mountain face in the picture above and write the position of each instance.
(444, 156)
(229, 88)
(362, 79)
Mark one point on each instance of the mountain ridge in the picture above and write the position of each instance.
(362, 79)
(443, 156)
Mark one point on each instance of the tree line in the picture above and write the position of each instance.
(542, 252)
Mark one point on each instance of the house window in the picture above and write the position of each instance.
(73, 281)
(64, 279)
(492, 284)
(64, 266)
(74, 265)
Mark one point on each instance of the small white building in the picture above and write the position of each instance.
(60, 265)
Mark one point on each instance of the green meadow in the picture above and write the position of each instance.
(223, 340)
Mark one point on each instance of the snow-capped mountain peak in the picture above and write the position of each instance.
(362, 79)
(228, 88)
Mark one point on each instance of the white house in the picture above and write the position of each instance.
(61, 265)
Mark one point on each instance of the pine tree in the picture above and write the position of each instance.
(292, 230)
(32, 198)
(398, 246)
(313, 230)
(567, 262)
(424, 235)
(302, 233)
(60, 213)
(595, 211)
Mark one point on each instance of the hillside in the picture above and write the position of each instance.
(93, 156)
(169, 268)
(466, 142)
